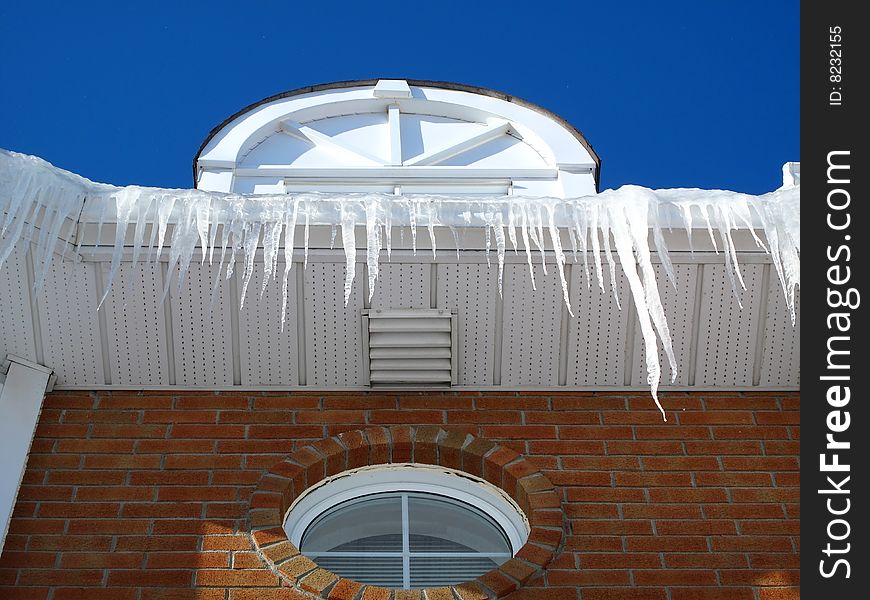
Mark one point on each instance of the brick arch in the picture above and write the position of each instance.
(431, 445)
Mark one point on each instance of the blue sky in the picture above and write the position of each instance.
(670, 94)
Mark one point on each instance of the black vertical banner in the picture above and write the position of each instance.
(835, 348)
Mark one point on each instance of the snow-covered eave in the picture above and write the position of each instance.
(621, 226)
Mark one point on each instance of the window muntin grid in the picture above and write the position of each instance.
(406, 539)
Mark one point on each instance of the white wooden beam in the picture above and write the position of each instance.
(215, 163)
(398, 172)
(325, 141)
(392, 88)
(394, 118)
(437, 155)
(20, 403)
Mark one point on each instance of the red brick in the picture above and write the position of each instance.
(793, 593)
(624, 594)
(205, 461)
(174, 446)
(719, 447)
(91, 593)
(121, 461)
(411, 417)
(85, 577)
(519, 432)
(330, 416)
(433, 402)
(690, 495)
(147, 543)
(87, 477)
(619, 560)
(72, 510)
(284, 432)
(69, 543)
(782, 447)
(179, 416)
(663, 577)
(601, 463)
(287, 402)
(98, 416)
(666, 544)
(769, 495)
(150, 578)
(706, 593)
(754, 432)
(104, 493)
(661, 511)
(644, 447)
(605, 494)
(145, 400)
(523, 402)
(95, 446)
(189, 560)
(108, 526)
(733, 479)
(673, 432)
(165, 510)
(760, 463)
(186, 430)
(677, 463)
(634, 479)
(600, 432)
(706, 560)
(746, 543)
(719, 417)
(199, 400)
(696, 527)
(101, 560)
(114, 430)
(632, 417)
(744, 511)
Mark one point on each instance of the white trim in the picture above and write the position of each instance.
(317, 138)
(20, 404)
(408, 477)
(438, 155)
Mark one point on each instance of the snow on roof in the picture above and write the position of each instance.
(225, 226)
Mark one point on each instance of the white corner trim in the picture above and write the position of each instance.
(20, 404)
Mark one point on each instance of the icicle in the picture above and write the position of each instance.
(289, 236)
(307, 222)
(560, 255)
(373, 244)
(500, 249)
(388, 230)
(125, 199)
(488, 234)
(412, 220)
(605, 233)
(525, 232)
(512, 227)
(250, 243)
(431, 227)
(333, 229)
(596, 247)
(662, 248)
(349, 242)
(271, 244)
(580, 223)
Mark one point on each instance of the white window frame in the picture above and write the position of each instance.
(408, 477)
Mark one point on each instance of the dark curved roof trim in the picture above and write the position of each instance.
(447, 85)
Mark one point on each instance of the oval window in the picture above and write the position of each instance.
(407, 527)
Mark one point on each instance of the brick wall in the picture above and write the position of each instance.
(145, 496)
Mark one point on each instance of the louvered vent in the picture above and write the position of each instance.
(411, 347)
